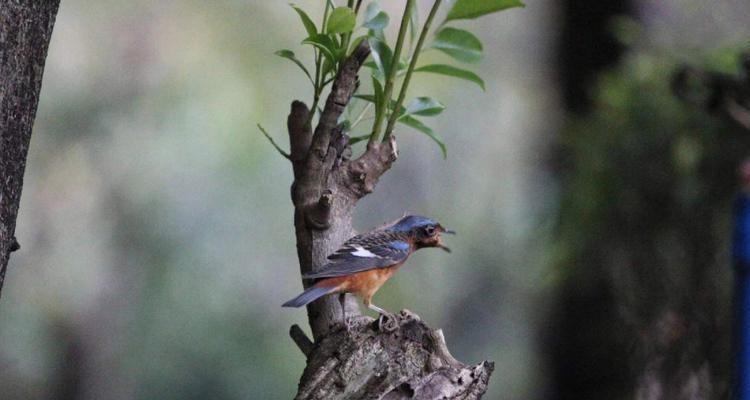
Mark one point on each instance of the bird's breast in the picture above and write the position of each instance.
(367, 282)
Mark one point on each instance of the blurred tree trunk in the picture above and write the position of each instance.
(643, 241)
(362, 363)
(585, 48)
(25, 31)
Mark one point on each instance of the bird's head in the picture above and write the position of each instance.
(423, 231)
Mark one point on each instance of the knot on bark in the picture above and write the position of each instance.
(14, 245)
(363, 173)
(339, 150)
(318, 215)
(411, 362)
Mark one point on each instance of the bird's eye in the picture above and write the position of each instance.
(429, 230)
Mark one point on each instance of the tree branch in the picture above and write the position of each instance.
(301, 340)
(391, 77)
(314, 175)
(273, 143)
(361, 175)
(410, 363)
(407, 78)
(25, 33)
(300, 134)
(322, 216)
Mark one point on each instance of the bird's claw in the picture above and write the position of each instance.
(388, 323)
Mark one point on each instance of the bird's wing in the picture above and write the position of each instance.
(364, 252)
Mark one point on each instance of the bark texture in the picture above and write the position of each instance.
(362, 363)
(25, 31)
(412, 362)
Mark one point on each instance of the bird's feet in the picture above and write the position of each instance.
(388, 322)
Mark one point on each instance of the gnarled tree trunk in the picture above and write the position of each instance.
(362, 363)
(25, 31)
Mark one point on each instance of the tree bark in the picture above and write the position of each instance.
(362, 363)
(25, 31)
(410, 363)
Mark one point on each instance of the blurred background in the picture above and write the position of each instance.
(593, 206)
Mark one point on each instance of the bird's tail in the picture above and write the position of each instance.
(310, 294)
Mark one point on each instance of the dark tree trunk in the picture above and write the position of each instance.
(364, 363)
(644, 311)
(587, 45)
(25, 31)
(587, 361)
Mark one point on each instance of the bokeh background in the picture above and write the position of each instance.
(156, 225)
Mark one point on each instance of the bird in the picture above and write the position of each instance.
(364, 262)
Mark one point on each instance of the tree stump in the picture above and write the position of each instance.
(410, 362)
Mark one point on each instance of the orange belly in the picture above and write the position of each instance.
(363, 284)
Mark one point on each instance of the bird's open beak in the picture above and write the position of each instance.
(441, 245)
(446, 230)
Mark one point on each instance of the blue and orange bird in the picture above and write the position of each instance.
(366, 261)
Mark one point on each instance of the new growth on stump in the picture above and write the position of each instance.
(363, 362)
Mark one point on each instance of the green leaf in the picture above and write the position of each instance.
(306, 21)
(375, 19)
(450, 70)
(379, 22)
(372, 10)
(382, 55)
(470, 9)
(289, 55)
(375, 71)
(341, 20)
(414, 24)
(371, 98)
(327, 46)
(328, 68)
(425, 106)
(459, 44)
(379, 35)
(379, 74)
(366, 97)
(418, 125)
(357, 139)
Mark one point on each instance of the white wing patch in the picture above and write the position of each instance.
(362, 252)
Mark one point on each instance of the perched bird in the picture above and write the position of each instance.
(366, 261)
